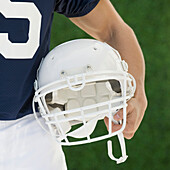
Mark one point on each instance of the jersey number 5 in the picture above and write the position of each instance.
(24, 10)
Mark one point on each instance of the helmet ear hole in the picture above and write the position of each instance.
(115, 85)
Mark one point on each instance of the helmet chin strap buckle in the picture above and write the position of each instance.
(123, 149)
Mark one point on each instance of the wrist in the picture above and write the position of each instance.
(140, 91)
(140, 94)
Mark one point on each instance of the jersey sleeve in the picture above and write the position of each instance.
(75, 8)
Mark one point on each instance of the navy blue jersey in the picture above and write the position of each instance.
(24, 40)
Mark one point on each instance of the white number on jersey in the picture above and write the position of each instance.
(25, 10)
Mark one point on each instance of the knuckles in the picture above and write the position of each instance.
(129, 136)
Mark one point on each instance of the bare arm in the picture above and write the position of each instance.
(105, 24)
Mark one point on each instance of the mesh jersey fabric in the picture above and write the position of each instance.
(17, 75)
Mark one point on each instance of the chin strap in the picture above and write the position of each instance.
(123, 149)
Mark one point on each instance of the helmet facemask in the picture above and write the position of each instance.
(73, 105)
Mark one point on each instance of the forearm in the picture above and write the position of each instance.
(124, 40)
(105, 24)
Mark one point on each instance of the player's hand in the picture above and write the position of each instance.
(135, 112)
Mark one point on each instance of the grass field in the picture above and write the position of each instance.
(150, 147)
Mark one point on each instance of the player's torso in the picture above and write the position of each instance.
(24, 40)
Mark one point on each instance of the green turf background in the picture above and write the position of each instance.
(150, 147)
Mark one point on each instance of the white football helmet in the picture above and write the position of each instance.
(79, 83)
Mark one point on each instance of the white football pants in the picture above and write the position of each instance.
(24, 145)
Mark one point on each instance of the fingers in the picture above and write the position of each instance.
(130, 123)
(128, 135)
(115, 127)
(131, 127)
(119, 115)
(135, 112)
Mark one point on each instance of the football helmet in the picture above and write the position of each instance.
(79, 83)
